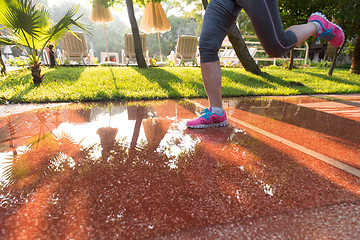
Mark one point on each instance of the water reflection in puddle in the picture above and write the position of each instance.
(96, 126)
(135, 171)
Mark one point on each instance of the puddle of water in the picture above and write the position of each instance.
(135, 171)
(93, 126)
(316, 114)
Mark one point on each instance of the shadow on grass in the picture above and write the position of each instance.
(114, 79)
(246, 80)
(333, 79)
(167, 79)
(116, 94)
(17, 98)
(289, 84)
(64, 74)
(268, 81)
(20, 82)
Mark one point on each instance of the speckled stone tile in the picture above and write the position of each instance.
(330, 222)
(133, 171)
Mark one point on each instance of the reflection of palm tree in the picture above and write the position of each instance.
(45, 151)
(43, 128)
(12, 136)
(50, 153)
(7, 133)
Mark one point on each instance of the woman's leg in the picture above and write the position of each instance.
(320, 27)
(303, 31)
(266, 20)
(218, 19)
(211, 74)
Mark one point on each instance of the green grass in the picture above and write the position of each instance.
(130, 83)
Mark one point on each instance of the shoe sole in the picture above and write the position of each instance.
(213, 125)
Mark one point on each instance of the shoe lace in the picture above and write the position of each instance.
(205, 113)
(327, 35)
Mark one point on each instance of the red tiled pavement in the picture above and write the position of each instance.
(131, 171)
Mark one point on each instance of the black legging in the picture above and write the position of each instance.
(264, 16)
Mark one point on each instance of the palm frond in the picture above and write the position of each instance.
(7, 131)
(58, 30)
(30, 25)
(6, 41)
(26, 22)
(8, 166)
(64, 137)
(24, 16)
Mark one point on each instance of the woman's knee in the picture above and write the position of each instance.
(209, 47)
(280, 44)
(275, 50)
(208, 52)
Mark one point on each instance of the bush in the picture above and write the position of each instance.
(170, 63)
(344, 65)
(18, 61)
(153, 62)
(320, 64)
(95, 60)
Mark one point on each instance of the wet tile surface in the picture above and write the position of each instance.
(131, 171)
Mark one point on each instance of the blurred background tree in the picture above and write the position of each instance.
(347, 14)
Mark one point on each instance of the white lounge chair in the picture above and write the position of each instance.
(75, 48)
(128, 53)
(186, 49)
(229, 55)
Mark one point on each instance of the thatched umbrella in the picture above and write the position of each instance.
(155, 130)
(101, 14)
(107, 138)
(154, 20)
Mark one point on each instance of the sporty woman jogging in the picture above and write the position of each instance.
(265, 18)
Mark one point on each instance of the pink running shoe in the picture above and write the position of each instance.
(208, 119)
(328, 31)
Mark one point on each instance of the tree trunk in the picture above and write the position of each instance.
(240, 48)
(3, 67)
(333, 63)
(355, 62)
(291, 62)
(205, 3)
(135, 113)
(36, 74)
(135, 30)
(334, 58)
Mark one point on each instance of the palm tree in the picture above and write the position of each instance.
(135, 30)
(29, 25)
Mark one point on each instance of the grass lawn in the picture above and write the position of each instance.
(65, 84)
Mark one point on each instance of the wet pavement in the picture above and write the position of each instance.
(285, 168)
